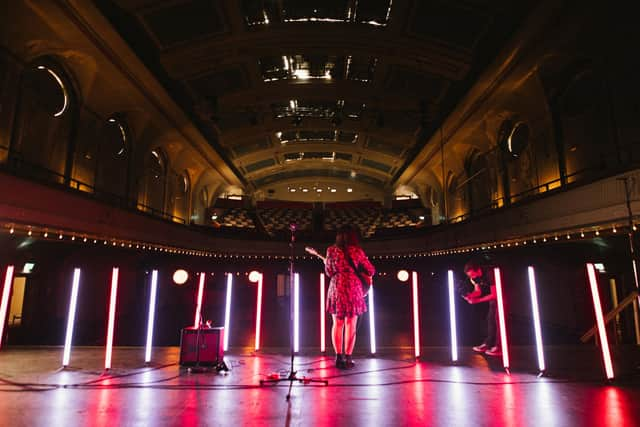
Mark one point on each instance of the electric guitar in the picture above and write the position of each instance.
(367, 281)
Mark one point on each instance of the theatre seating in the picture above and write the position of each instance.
(237, 218)
(280, 218)
(365, 218)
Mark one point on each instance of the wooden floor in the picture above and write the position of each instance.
(390, 389)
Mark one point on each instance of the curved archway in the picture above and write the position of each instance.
(114, 152)
(46, 120)
(153, 182)
(179, 196)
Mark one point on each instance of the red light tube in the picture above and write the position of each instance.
(452, 318)
(323, 344)
(416, 318)
(503, 328)
(4, 305)
(259, 312)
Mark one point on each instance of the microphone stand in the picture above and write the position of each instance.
(292, 373)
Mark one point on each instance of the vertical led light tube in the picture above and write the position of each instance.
(196, 320)
(452, 318)
(152, 315)
(259, 312)
(4, 305)
(416, 318)
(71, 317)
(602, 331)
(227, 312)
(536, 318)
(296, 313)
(112, 317)
(501, 319)
(372, 322)
(323, 344)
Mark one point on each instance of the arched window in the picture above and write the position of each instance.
(112, 165)
(179, 197)
(200, 206)
(46, 117)
(154, 180)
(478, 183)
(585, 124)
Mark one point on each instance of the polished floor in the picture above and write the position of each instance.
(388, 390)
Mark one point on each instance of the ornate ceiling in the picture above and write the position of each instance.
(324, 95)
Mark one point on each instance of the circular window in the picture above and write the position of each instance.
(513, 137)
(518, 139)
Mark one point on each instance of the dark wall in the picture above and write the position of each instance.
(564, 296)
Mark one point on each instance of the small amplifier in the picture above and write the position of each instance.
(203, 346)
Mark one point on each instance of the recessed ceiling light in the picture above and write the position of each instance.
(349, 190)
(293, 190)
(304, 190)
(319, 190)
(333, 190)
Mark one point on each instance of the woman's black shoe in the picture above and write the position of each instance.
(348, 363)
(340, 362)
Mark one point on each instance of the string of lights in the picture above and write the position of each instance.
(79, 237)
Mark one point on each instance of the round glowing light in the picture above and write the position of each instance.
(403, 275)
(180, 277)
(254, 276)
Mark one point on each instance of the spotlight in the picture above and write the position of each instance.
(180, 277)
(403, 275)
(254, 276)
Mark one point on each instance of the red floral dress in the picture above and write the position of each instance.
(345, 297)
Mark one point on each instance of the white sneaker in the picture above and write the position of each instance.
(481, 348)
(494, 351)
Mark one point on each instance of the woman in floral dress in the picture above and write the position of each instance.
(345, 299)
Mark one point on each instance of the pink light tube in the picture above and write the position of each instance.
(71, 318)
(196, 320)
(503, 328)
(452, 318)
(4, 305)
(112, 317)
(259, 312)
(227, 311)
(152, 315)
(296, 313)
(372, 322)
(323, 344)
(602, 331)
(536, 318)
(416, 318)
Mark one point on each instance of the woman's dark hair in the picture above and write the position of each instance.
(348, 235)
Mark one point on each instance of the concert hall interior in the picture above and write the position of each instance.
(165, 166)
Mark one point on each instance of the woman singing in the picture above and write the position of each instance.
(345, 299)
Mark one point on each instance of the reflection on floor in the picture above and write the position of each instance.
(386, 390)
